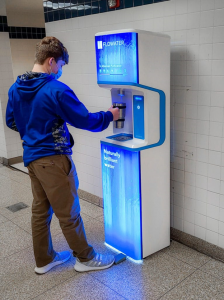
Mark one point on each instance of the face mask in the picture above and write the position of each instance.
(58, 75)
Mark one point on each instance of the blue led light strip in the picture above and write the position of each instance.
(162, 114)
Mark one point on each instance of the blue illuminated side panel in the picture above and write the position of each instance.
(122, 200)
(117, 57)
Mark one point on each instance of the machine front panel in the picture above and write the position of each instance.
(122, 200)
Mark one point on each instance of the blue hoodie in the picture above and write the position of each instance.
(39, 107)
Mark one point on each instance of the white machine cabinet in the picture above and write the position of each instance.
(135, 66)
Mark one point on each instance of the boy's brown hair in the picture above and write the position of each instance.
(50, 47)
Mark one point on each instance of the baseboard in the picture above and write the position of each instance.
(11, 161)
(90, 198)
(197, 244)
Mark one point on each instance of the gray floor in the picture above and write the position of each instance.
(175, 273)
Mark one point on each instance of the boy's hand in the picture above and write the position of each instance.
(115, 112)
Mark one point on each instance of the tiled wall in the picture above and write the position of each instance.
(196, 28)
(55, 10)
(16, 32)
(26, 32)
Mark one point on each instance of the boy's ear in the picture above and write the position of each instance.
(50, 60)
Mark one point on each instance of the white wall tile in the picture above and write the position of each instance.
(206, 35)
(214, 157)
(219, 4)
(205, 68)
(217, 67)
(178, 223)
(218, 51)
(212, 237)
(222, 173)
(202, 155)
(189, 191)
(216, 129)
(178, 200)
(191, 111)
(193, 20)
(189, 166)
(201, 168)
(217, 99)
(221, 215)
(215, 143)
(180, 22)
(203, 113)
(221, 228)
(200, 220)
(213, 212)
(201, 182)
(214, 185)
(200, 232)
(213, 198)
(207, 4)
(207, 18)
(216, 114)
(202, 126)
(201, 196)
(202, 141)
(205, 51)
(189, 203)
(218, 34)
(181, 7)
(221, 241)
(204, 83)
(189, 215)
(193, 5)
(218, 20)
(178, 212)
(189, 228)
(212, 224)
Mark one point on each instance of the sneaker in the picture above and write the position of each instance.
(99, 262)
(60, 258)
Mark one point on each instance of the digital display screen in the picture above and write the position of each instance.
(117, 57)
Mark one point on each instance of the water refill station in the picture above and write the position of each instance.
(135, 66)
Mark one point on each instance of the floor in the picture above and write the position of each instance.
(174, 273)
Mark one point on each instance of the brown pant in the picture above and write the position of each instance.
(54, 184)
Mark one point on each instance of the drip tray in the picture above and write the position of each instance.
(122, 137)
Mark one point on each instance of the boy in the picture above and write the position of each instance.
(38, 108)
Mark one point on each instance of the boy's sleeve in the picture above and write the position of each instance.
(76, 114)
(9, 117)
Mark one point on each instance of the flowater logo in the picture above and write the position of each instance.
(115, 43)
(99, 45)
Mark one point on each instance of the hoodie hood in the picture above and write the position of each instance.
(30, 83)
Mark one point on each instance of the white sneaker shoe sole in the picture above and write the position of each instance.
(48, 267)
(79, 267)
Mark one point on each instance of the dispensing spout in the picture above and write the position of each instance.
(121, 92)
